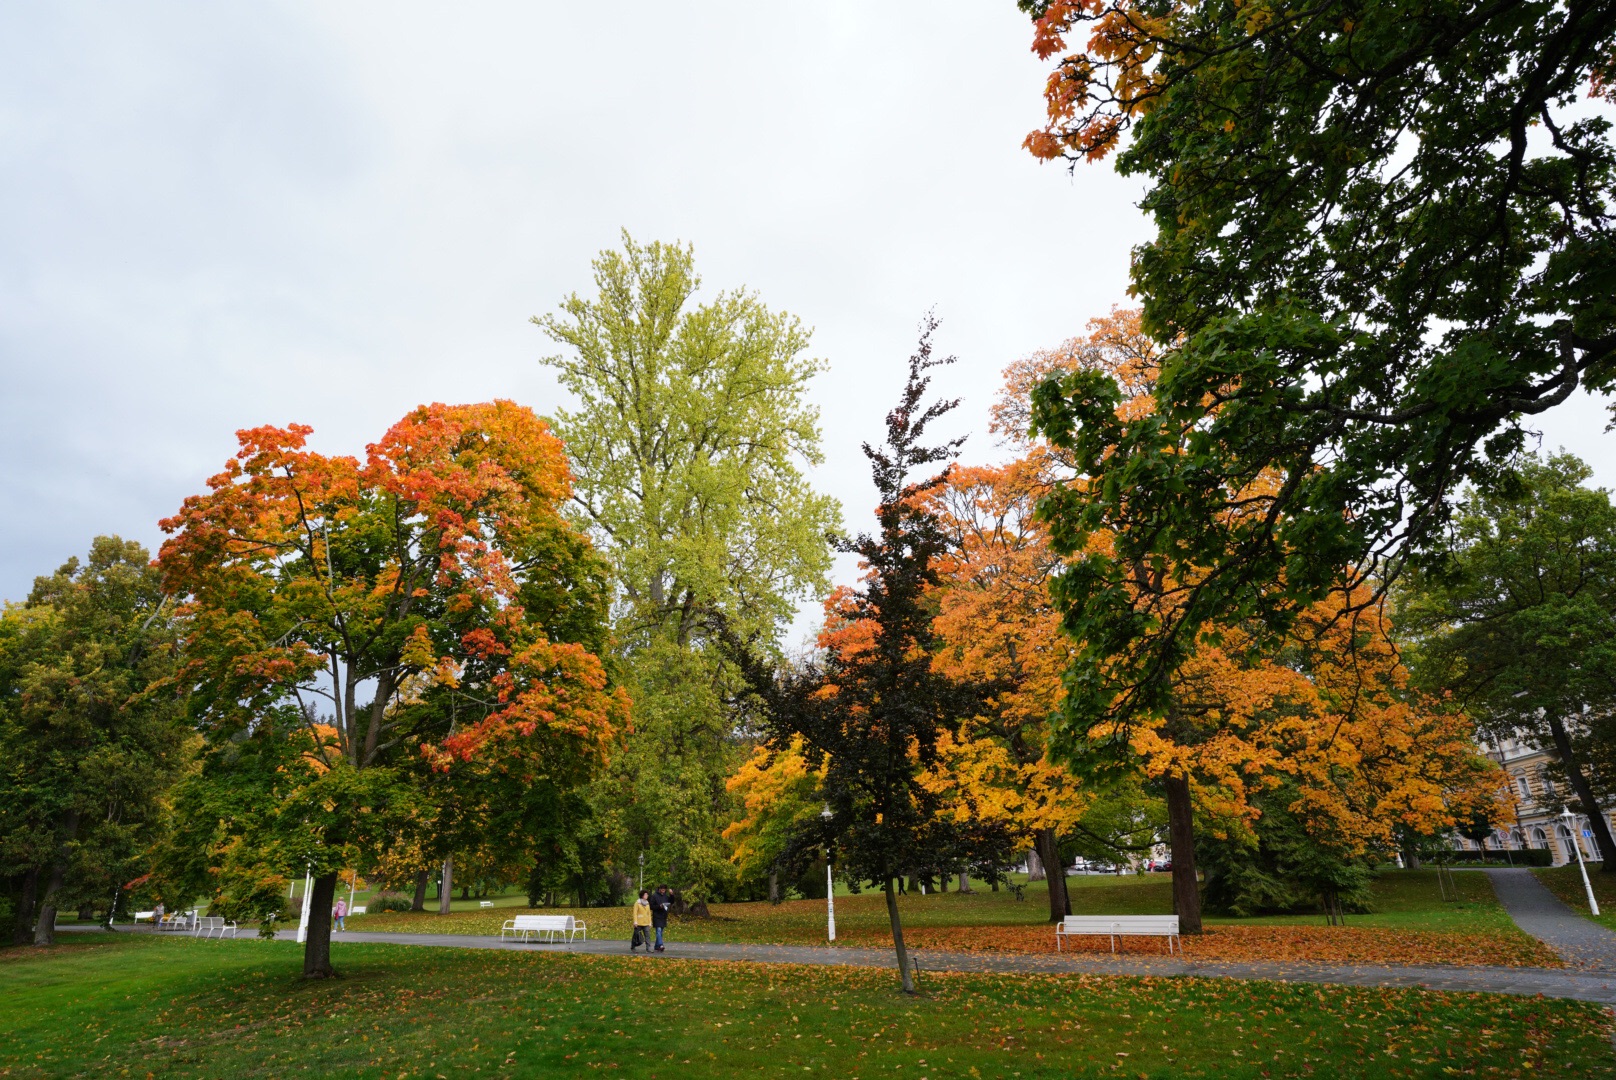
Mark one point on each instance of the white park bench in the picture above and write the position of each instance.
(485, 903)
(213, 926)
(178, 920)
(552, 927)
(1115, 926)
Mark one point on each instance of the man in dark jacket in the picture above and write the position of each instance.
(661, 901)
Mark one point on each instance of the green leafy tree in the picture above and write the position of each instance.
(688, 440)
(1383, 243)
(92, 734)
(1520, 621)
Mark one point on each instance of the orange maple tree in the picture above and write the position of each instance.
(395, 609)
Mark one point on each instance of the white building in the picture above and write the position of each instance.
(1538, 803)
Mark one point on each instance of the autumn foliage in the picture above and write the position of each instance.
(369, 623)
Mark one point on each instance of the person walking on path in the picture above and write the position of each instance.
(339, 913)
(660, 902)
(642, 923)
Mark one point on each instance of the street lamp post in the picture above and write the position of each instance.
(642, 875)
(303, 923)
(1576, 845)
(830, 884)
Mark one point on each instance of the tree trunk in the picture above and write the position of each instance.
(1181, 834)
(1035, 865)
(45, 931)
(774, 887)
(1597, 824)
(419, 903)
(22, 931)
(897, 939)
(446, 890)
(964, 882)
(1048, 853)
(317, 946)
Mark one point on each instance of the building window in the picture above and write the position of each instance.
(1526, 789)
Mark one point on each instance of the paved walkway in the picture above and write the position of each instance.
(1580, 985)
(1583, 944)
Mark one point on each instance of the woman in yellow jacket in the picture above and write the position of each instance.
(642, 923)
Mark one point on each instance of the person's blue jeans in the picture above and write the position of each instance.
(339, 922)
(659, 937)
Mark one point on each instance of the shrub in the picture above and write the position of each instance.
(1530, 857)
(389, 901)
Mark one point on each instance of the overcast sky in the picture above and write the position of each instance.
(214, 216)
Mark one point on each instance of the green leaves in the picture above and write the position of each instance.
(1382, 244)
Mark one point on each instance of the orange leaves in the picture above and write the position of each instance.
(1092, 92)
(1270, 944)
(319, 580)
(549, 689)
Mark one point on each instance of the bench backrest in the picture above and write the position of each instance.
(1120, 924)
(542, 922)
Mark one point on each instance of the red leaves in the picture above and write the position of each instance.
(304, 570)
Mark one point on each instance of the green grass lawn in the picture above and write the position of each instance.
(143, 1006)
(1402, 899)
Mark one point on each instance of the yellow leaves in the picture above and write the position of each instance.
(418, 651)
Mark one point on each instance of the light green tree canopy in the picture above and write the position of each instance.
(689, 438)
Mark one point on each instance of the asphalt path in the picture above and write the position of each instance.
(1583, 943)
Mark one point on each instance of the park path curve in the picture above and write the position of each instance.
(1576, 984)
(1583, 943)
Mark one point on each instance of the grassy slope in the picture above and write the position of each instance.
(145, 1006)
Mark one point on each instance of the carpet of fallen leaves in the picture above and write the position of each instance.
(1278, 944)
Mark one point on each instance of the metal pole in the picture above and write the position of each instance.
(830, 899)
(1576, 845)
(353, 883)
(642, 876)
(303, 924)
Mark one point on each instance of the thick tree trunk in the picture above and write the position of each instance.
(45, 930)
(317, 946)
(22, 931)
(897, 939)
(446, 889)
(1597, 824)
(1048, 847)
(1181, 835)
(964, 882)
(419, 903)
(774, 887)
(1035, 865)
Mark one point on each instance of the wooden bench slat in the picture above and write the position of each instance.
(1115, 926)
